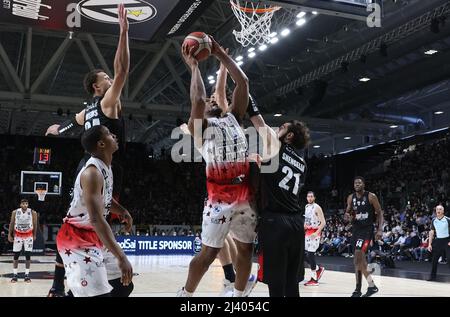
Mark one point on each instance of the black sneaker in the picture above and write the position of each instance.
(370, 291)
(431, 278)
(53, 292)
(15, 278)
(27, 279)
(356, 294)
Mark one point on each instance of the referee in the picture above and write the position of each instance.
(440, 226)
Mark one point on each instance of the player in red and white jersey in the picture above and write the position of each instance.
(225, 151)
(85, 241)
(314, 224)
(24, 222)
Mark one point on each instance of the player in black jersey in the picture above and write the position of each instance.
(105, 109)
(280, 229)
(363, 209)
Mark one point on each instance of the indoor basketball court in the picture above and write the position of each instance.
(369, 79)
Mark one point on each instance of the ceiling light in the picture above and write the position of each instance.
(301, 14)
(285, 32)
(300, 22)
(364, 79)
(251, 54)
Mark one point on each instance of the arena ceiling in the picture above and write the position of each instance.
(313, 74)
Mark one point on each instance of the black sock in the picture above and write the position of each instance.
(58, 280)
(229, 272)
(359, 282)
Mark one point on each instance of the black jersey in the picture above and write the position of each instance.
(364, 213)
(280, 191)
(94, 116)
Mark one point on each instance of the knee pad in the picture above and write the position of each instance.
(16, 255)
(119, 290)
(28, 255)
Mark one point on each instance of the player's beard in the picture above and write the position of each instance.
(214, 111)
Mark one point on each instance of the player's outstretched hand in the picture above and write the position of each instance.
(123, 21)
(188, 55)
(216, 49)
(10, 239)
(53, 129)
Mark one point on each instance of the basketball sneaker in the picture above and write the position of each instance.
(319, 273)
(312, 282)
(251, 283)
(227, 290)
(27, 279)
(15, 278)
(370, 291)
(356, 294)
(182, 293)
(53, 292)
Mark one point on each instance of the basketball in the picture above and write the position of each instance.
(202, 42)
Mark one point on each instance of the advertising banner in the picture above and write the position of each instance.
(146, 17)
(160, 245)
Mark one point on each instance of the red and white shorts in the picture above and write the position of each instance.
(23, 241)
(311, 243)
(220, 218)
(84, 260)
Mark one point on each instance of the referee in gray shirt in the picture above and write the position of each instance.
(440, 227)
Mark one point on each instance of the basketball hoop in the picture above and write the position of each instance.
(255, 20)
(41, 194)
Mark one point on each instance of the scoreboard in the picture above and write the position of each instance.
(42, 156)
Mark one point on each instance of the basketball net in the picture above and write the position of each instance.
(41, 194)
(255, 20)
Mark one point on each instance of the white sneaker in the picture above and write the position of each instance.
(182, 293)
(252, 280)
(227, 290)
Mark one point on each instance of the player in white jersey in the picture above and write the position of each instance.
(22, 232)
(314, 224)
(85, 240)
(224, 148)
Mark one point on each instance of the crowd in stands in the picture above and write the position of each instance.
(414, 182)
(161, 192)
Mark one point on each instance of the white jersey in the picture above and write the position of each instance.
(78, 214)
(312, 220)
(23, 221)
(225, 151)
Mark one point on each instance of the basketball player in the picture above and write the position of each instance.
(227, 254)
(314, 224)
(224, 148)
(22, 232)
(104, 109)
(85, 236)
(363, 209)
(281, 230)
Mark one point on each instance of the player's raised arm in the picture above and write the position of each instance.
(221, 88)
(197, 89)
(35, 223)
(241, 91)
(121, 62)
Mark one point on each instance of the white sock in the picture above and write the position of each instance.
(237, 293)
(15, 271)
(370, 281)
(27, 271)
(188, 294)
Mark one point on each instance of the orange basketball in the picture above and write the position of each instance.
(202, 43)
